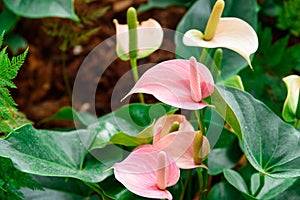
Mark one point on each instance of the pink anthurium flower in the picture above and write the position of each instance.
(148, 172)
(178, 144)
(228, 32)
(180, 83)
(149, 34)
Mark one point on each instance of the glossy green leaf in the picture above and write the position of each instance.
(272, 186)
(197, 17)
(226, 112)
(70, 114)
(15, 42)
(236, 180)
(224, 191)
(234, 81)
(60, 189)
(271, 145)
(53, 153)
(43, 8)
(293, 192)
(8, 20)
(225, 154)
(128, 121)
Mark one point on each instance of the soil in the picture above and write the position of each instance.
(41, 88)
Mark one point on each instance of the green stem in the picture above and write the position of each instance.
(205, 181)
(297, 123)
(95, 187)
(66, 77)
(187, 181)
(199, 120)
(261, 184)
(133, 63)
(200, 177)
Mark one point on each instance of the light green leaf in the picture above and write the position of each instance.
(234, 81)
(236, 180)
(42, 8)
(53, 153)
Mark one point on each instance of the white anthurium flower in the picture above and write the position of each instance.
(150, 37)
(292, 83)
(228, 32)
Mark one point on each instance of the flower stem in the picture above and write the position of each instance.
(187, 181)
(95, 187)
(297, 123)
(261, 184)
(133, 63)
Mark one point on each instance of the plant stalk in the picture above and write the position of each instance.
(133, 63)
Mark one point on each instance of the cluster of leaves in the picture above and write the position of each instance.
(8, 71)
(289, 18)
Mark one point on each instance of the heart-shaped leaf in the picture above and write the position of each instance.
(271, 145)
(53, 153)
(45, 8)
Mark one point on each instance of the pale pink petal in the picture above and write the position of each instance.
(138, 173)
(169, 82)
(231, 33)
(163, 125)
(150, 37)
(179, 145)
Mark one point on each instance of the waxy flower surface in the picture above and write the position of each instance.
(292, 83)
(147, 172)
(180, 83)
(228, 32)
(149, 38)
(150, 168)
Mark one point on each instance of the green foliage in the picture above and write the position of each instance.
(8, 71)
(272, 62)
(289, 17)
(72, 33)
(12, 180)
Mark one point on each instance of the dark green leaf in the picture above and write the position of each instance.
(224, 191)
(42, 8)
(271, 145)
(70, 114)
(225, 154)
(59, 189)
(15, 42)
(53, 153)
(292, 193)
(7, 20)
